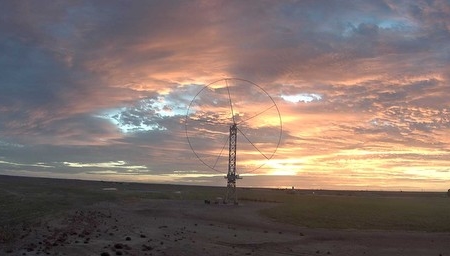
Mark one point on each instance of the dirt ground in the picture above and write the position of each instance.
(177, 227)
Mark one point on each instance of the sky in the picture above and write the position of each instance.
(326, 94)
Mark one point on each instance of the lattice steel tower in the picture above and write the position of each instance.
(231, 175)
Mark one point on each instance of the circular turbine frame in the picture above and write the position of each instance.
(233, 103)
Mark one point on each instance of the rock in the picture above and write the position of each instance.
(146, 247)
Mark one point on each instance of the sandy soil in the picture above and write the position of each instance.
(177, 227)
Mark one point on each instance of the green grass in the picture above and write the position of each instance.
(29, 203)
(383, 213)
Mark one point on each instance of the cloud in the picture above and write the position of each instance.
(90, 82)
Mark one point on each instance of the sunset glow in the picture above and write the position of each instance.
(328, 94)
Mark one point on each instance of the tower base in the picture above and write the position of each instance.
(231, 194)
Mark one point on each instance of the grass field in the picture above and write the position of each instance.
(24, 200)
(386, 213)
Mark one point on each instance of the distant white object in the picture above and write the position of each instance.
(218, 200)
(109, 189)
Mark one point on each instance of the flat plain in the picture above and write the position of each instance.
(74, 217)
